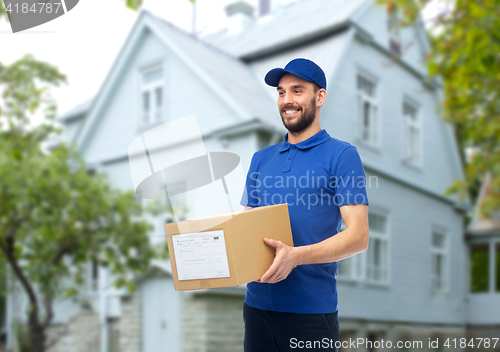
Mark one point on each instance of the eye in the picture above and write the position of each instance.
(297, 91)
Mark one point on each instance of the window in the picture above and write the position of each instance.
(373, 264)
(152, 94)
(439, 261)
(377, 268)
(367, 109)
(93, 276)
(412, 133)
(479, 267)
(352, 267)
(497, 266)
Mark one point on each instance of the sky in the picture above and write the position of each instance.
(85, 42)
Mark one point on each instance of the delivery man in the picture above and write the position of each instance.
(294, 304)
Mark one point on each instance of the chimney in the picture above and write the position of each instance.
(240, 14)
(268, 7)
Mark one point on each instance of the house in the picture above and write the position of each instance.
(412, 283)
(483, 244)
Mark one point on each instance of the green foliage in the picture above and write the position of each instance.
(466, 55)
(3, 13)
(134, 4)
(55, 217)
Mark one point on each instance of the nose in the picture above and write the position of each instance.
(287, 98)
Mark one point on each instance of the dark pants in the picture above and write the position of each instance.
(276, 331)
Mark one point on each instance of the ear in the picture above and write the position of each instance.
(320, 97)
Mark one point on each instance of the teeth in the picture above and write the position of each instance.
(290, 111)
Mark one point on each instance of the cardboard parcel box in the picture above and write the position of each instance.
(226, 249)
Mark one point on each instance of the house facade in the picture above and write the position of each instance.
(411, 285)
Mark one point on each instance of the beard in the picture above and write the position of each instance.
(304, 121)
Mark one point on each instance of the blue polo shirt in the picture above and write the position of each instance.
(315, 177)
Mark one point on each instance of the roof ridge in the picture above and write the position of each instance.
(191, 36)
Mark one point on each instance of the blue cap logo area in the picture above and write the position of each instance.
(302, 68)
(25, 14)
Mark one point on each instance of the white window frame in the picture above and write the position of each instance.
(92, 282)
(440, 284)
(354, 266)
(370, 134)
(357, 267)
(154, 114)
(412, 154)
(383, 237)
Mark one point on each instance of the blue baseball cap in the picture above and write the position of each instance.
(302, 68)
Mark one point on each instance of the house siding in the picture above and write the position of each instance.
(374, 21)
(185, 95)
(340, 117)
(405, 307)
(408, 296)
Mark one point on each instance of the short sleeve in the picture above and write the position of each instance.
(249, 197)
(350, 179)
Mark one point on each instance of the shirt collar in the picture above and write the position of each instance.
(318, 138)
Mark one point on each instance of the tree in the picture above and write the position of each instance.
(55, 217)
(466, 54)
(3, 279)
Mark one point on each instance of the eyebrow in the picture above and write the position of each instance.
(294, 86)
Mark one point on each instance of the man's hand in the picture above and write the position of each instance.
(284, 262)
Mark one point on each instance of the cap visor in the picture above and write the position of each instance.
(273, 77)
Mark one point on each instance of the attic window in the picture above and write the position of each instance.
(367, 109)
(393, 27)
(395, 47)
(152, 94)
(412, 137)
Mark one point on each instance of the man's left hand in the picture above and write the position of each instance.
(283, 264)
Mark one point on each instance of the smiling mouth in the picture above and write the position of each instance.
(290, 112)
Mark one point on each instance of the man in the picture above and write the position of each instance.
(294, 304)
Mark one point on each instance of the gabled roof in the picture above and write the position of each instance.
(229, 78)
(294, 24)
(232, 74)
(480, 224)
(219, 60)
(218, 65)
